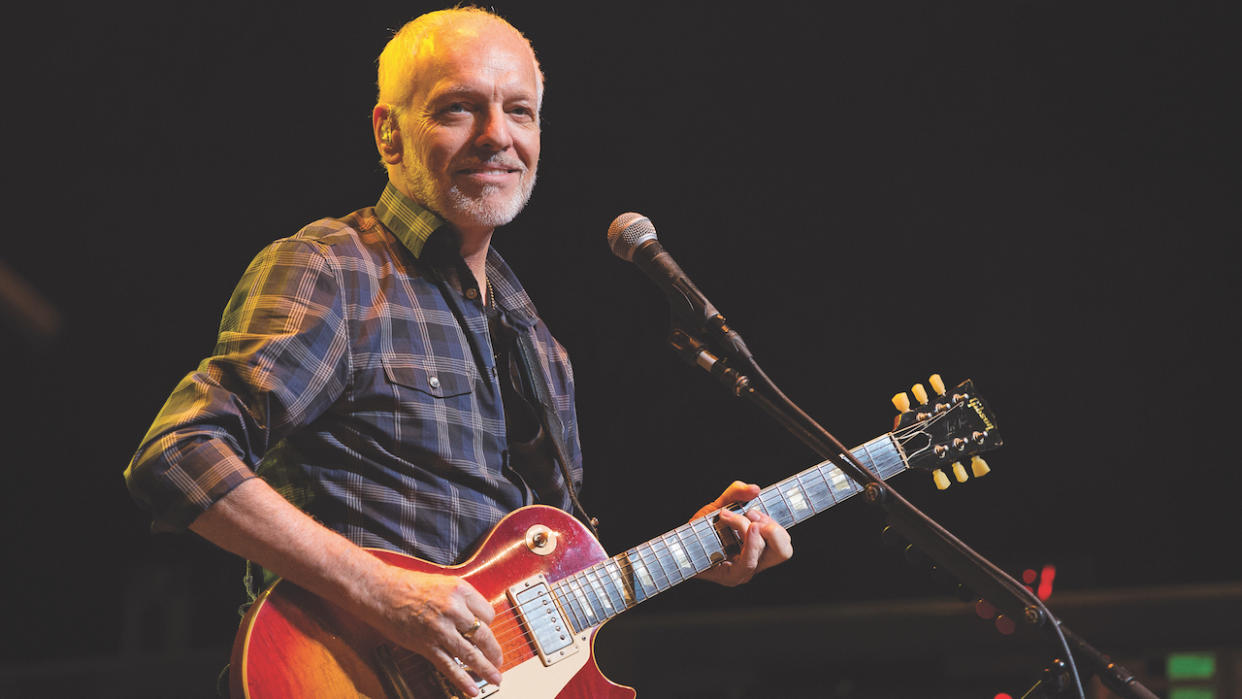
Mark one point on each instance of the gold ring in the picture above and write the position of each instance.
(473, 627)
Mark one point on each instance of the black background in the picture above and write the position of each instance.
(1041, 196)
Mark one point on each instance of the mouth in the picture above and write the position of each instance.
(490, 172)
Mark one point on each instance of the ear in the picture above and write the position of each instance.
(387, 133)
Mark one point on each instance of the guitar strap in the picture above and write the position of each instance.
(551, 420)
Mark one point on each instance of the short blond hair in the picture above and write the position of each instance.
(398, 61)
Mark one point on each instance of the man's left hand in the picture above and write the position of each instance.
(764, 542)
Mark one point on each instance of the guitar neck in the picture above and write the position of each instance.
(604, 590)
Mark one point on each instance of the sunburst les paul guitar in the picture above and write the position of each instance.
(553, 586)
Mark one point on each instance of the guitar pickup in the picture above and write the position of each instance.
(539, 612)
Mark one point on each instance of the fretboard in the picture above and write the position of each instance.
(604, 590)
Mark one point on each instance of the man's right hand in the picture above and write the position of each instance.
(434, 616)
(430, 614)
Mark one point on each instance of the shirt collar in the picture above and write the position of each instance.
(413, 224)
(410, 221)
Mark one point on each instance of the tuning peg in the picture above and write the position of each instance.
(902, 402)
(959, 472)
(978, 466)
(920, 393)
(937, 384)
(941, 480)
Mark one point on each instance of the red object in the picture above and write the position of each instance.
(1046, 577)
(984, 609)
(294, 644)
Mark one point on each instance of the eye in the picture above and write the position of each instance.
(457, 108)
(522, 112)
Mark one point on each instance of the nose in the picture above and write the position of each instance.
(494, 130)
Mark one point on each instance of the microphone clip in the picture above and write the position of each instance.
(694, 351)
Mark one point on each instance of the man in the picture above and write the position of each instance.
(388, 376)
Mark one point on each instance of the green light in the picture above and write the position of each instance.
(1191, 666)
(1192, 693)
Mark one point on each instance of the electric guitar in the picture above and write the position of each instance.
(553, 586)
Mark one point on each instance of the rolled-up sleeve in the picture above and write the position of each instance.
(281, 360)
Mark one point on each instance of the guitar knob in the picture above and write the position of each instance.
(959, 472)
(902, 402)
(941, 480)
(978, 466)
(937, 384)
(920, 393)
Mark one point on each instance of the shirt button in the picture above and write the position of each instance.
(434, 381)
(472, 293)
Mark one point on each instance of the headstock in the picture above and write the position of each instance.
(944, 428)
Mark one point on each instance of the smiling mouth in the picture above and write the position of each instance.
(490, 170)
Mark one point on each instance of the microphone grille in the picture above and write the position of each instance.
(627, 232)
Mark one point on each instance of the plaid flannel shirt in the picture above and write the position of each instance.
(354, 372)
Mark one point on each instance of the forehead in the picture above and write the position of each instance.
(488, 58)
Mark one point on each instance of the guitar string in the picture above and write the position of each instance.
(587, 594)
(593, 590)
(592, 586)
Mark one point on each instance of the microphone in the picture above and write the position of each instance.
(632, 237)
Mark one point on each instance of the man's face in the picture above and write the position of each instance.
(471, 133)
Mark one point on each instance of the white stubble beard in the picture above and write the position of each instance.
(460, 208)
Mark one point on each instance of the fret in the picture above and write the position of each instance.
(709, 540)
(644, 586)
(799, 506)
(604, 590)
(619, 581)
(842, 485)
(893, 463)
(776, 508)
(597, 587)
(693, 547)
(822, 483)
(684, 568)
(576, 618)
(657, 571)
(667, 560)
(863, 454)
(816, 488)
(583, 601)
(592, 596)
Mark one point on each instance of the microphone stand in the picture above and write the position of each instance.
(975, 572)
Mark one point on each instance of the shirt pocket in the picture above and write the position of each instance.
(428, 380)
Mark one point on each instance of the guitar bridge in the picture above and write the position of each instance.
(538, 611)
(486, 689)
(389, 660)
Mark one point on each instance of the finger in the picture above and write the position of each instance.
(453, 671)
(472, 656)
(737, 492)
(486, 642)
(753, 545)
(778, 548)
(738, 523)
(478, 605)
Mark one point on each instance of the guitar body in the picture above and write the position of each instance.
(294, 644)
